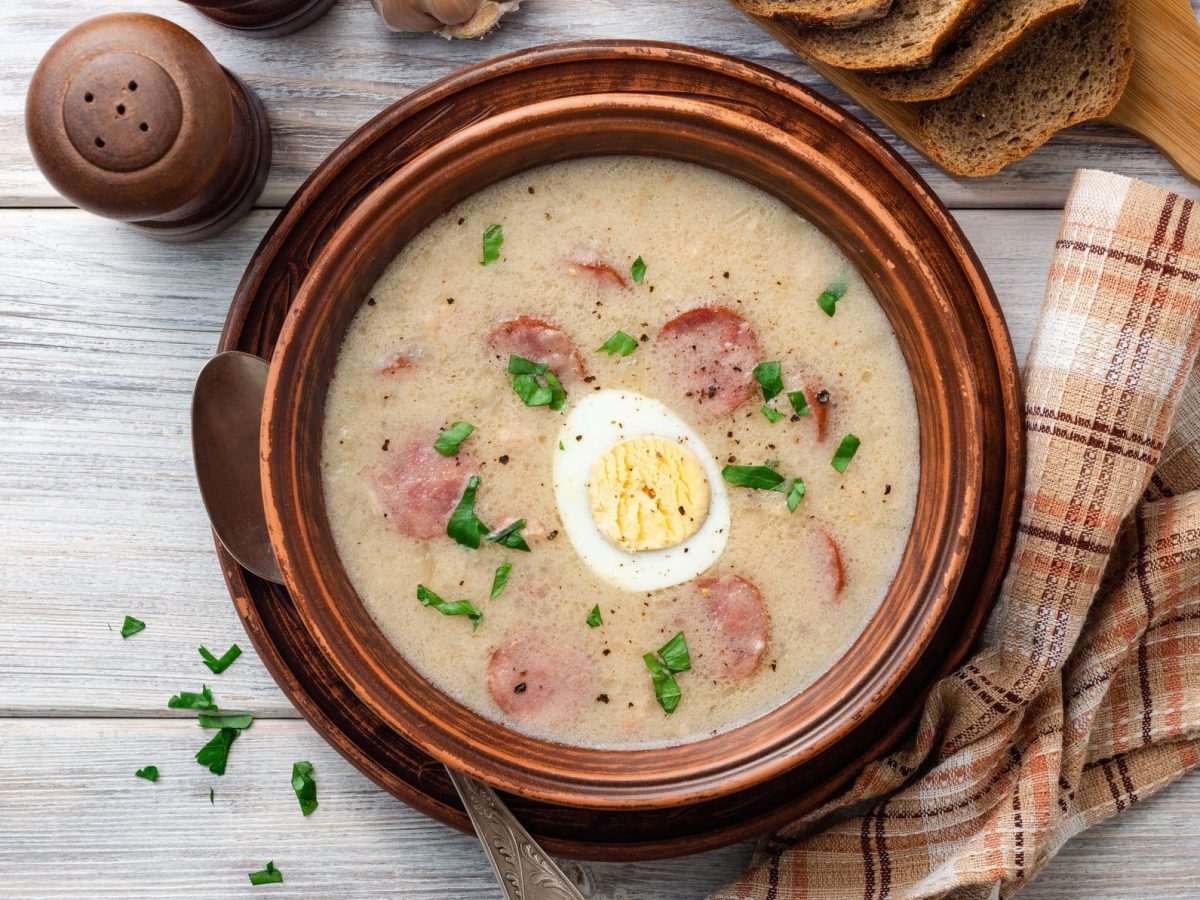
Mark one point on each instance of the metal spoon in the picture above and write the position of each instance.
(226, 413)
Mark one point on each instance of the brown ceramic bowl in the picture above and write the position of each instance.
(883, 220)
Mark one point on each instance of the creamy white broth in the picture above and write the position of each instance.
(705, 238)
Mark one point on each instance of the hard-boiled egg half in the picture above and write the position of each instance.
(640, 496)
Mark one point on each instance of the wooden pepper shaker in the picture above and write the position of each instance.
(130, 117)
(263, 18)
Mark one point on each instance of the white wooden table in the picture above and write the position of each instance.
(101, 335)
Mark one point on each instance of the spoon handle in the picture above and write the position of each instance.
(525, 871)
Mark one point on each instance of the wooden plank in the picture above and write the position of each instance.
(320, 84)
(74, 820)
(102, 332)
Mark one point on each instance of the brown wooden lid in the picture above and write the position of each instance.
(126, 116)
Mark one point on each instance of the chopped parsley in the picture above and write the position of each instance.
(304, 786)
(132, 626)
(770, 379)
(236, 721)
(211, 798)
(671, 659)
(220, 665)
(845, 452)
(593, 618)
(464, 526)
(638, 271)
(526, 384)
(795, 494)
(190, 700)
(500, 579)
(457, 608)
(493, 239)
(150, 773)
(799, 402)
(620, 343)
(269, 875)
(510, 536)
(763, 478)
(215, 753)
(451, 439)
(773, 415)
(832, 294)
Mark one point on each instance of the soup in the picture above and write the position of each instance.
(620, 452)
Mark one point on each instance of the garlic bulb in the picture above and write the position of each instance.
(449, 18)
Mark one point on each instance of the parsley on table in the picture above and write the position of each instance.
(845, 452)
(132, 626)
(493, 239)
(446, 608)
(620, 343)
(150, 773)
(237, 721)
(269, 875)
(304, 786)
(671, 659)
(500, 579)
(215, 753)
(220, 665)
(190, 700)
(593, 617)
(638, 271)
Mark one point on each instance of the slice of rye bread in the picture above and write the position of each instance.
(992, 34)
(825, 13)
(911, 35)
(1071, 70)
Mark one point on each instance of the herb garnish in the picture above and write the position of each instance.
(269, 875)
(464, 526)
(765, 478)
(510, 536)
(304, 786)
(220, 665)
(832, 294)
(773, 415)
(620, 342)
(525, 383)
(845, 452)
(131, 626)
(236, 721)
(215, 753)
(211, 798)
(671, 659)
(799, 402)
(150, 773)
(501, 578)
(190, 700)
(638, 270)
(451, 439)
(770, 379)
(457, 608)
(593, 618)
(493, 238)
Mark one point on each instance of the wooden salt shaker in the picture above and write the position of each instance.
(263, 18)
(130, 117)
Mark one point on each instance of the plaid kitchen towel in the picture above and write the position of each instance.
(1083, 696)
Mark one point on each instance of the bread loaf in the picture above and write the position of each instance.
(825, 13)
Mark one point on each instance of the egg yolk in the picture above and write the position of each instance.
(648, 493)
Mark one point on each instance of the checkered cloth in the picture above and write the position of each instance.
(1083, 696)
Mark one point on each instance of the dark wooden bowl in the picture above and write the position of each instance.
(878, 220)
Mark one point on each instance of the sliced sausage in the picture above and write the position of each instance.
(601, 271)
(533, 675)
(818, 404)
(419, 487)
(828, 556)
(710, 352)
(538, 341)
(401, 362)
(738, 631)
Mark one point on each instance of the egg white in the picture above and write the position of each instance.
(594, 424)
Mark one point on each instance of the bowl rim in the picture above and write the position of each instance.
(621, 791)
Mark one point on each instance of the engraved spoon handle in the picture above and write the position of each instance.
(524, 870)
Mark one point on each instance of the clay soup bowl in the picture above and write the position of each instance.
(876, 213)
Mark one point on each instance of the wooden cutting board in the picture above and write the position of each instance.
(1161, 102)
